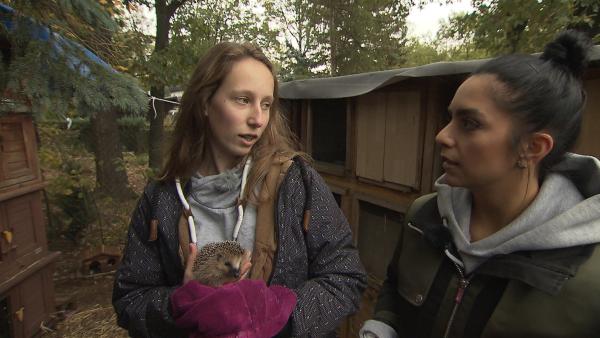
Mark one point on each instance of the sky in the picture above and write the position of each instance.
(425, 22)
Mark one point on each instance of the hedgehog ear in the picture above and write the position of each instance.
(219, 256)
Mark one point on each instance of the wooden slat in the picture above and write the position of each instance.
(14, 133)
(373, 193)
(370, 135)
(18, 157)
(401, 161)
(589, 143)
(12, 146)
(19, 218)
(12, 279)
(15, 169)
(14, 156)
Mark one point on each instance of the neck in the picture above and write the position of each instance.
(215, 163)
(495, 206)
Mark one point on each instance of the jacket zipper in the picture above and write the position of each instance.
(463, 283)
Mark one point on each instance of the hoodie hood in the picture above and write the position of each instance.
(565, 213)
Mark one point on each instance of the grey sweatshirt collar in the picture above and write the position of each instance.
(214, 205)
(564, 214)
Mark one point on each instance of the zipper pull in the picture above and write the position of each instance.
(460, 292)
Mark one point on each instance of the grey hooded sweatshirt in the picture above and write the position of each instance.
(214, 206)
(565, 213)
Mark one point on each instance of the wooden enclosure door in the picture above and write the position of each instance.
(589, 141)
(18, 160)
(402, 143)
(370, 135)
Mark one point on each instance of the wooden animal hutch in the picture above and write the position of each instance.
(372, 136)
(26, 265)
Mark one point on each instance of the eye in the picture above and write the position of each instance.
(266, 105)
(242, 100)
(227, 264)
(469, 124)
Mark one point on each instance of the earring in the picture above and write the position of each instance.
(521, 163)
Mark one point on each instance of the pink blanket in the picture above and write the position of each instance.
(245, 309)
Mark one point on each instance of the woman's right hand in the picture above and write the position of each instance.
(189, 264)
(246, 265)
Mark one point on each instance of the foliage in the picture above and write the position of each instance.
(508, 26)
(421, 53)
(303, 31)
(339, 37)
(76, 212)
(70, 182)
(366, 35)
(132, 133)
(195, 27)
(55, 75)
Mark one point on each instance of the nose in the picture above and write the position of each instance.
(234, 272)
(444, 137)
(258, 117)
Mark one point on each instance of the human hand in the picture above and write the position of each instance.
(246, 265)
(188, 274)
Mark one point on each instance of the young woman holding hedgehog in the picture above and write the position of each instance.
(233, 173)
(509, 245)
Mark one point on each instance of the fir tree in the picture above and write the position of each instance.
(57, 77)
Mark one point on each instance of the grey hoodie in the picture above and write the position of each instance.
(565, 213)
(214, 206)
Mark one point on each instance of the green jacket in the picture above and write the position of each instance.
(550, 293)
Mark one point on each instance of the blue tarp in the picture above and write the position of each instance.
(60, 45)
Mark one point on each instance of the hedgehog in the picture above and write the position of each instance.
(218, 263)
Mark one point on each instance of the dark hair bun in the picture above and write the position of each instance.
(571, 50)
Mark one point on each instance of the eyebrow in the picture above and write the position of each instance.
(465, 112)
(249, 93)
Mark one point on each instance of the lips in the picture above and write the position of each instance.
(447, 161)
(248, 139)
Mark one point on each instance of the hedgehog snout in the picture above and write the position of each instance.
(234, 272)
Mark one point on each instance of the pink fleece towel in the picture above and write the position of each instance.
(247, 309)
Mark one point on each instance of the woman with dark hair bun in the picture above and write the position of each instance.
(508, 246)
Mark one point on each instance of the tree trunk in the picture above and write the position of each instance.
(111, 176)
(164, 13)
(156, 132)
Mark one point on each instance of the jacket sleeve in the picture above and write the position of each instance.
(388, 303)
(336, 277)
(141, 290)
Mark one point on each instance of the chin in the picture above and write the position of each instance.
(452, 181)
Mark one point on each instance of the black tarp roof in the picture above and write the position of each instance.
(358, 84)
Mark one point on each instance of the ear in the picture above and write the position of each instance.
(538, 146)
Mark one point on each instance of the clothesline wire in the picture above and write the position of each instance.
(154, 98)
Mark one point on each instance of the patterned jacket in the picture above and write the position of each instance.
(320, 264)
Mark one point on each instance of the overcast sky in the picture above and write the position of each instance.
(425, 22)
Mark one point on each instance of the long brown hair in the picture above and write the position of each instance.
(189, 141)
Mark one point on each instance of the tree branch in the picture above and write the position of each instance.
(172, 7)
